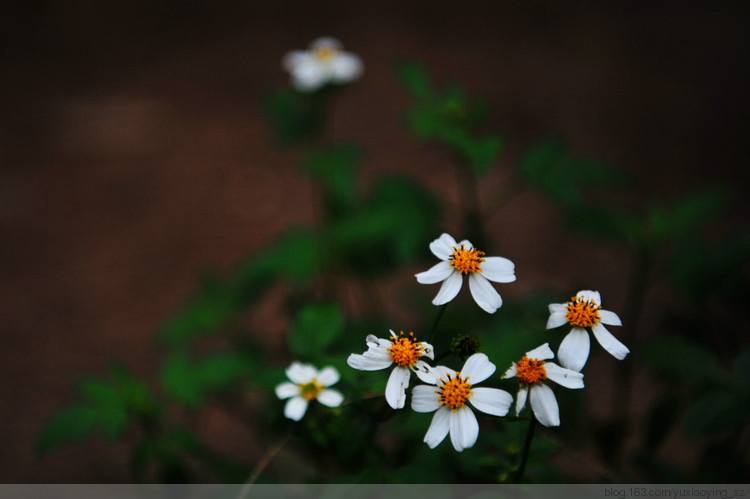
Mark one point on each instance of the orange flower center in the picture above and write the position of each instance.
(467, 261)
(405, 350)
(530, 371)
(310, 390)
(582, 313)
(324, 53)
(455, 392)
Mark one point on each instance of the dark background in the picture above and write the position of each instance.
(134, 156)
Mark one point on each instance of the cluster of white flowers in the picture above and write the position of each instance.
(450, 394)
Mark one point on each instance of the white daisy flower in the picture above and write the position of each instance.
(463, 258)
(307, 383)
(323, 63)
(454, 390)
(402, 350)
(531, 371)
(582, 311)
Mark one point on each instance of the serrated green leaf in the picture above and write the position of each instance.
(315, 329)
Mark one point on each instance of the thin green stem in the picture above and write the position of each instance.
(433, 329)
(526, 451)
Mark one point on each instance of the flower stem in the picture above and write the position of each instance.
(526, 450)
(264, 460)
(433, 329)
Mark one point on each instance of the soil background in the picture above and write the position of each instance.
(134, 158)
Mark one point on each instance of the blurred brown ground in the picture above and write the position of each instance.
(133, 158)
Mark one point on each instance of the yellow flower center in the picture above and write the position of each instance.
(582, 313)
(405, 350)
(467, 261)
(324, 53)
(455, 392)
(310, 390)
(530, 371)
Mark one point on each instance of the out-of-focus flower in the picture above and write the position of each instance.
(324, 62)
(582, 311)
(307, 383)
(404, 351)
(459, 259)
(531, 371)
(454, 391)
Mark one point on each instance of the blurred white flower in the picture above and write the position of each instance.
(582, 311)
(463, 258)
(324, 62)
(450, 401)
(404, 351)
(307, 383)
(531, 371)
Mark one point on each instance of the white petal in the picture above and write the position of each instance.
(439, 427)
(330, 398)
(438, 273)
(424, 398)
(556, 308)
(346, 67)
(466, 244)
(442, 247)
(395, 390)
(491, 400)
(589, 295)
(301, 373)
(308, 76)
(464, 428)
(325, 42)
(484, 294)
(295, 408)
(498, 269)
(574, 349)
(293, 59)
(286, 390)
(609, 342)
(609, 318)
(428, 350)
(328, 376)
(442, 373)
(542, 352)
(544, 405)
(450, 288)
(366, 362)
(563, 377)
(510, 372)
(374, 342)
(424, 372)
(557, 319)
(523, 393)
(477, 367)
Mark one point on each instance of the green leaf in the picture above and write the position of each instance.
(415, 78)
(715, 412)
(741, 370)
(315, 329)
(684, 360)
(335, 167)
(294, 116)
(190, 381)
(69, 425)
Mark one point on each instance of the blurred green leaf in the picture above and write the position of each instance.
(741, 369)
(714, 412)
(315, 329)
(687, 215)
(415, 78)
(296, 257)
(551, 169)
(335, 167)
(69, 425)
(294, 116)
(684, 360)
(190, 381)
(662, 417)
